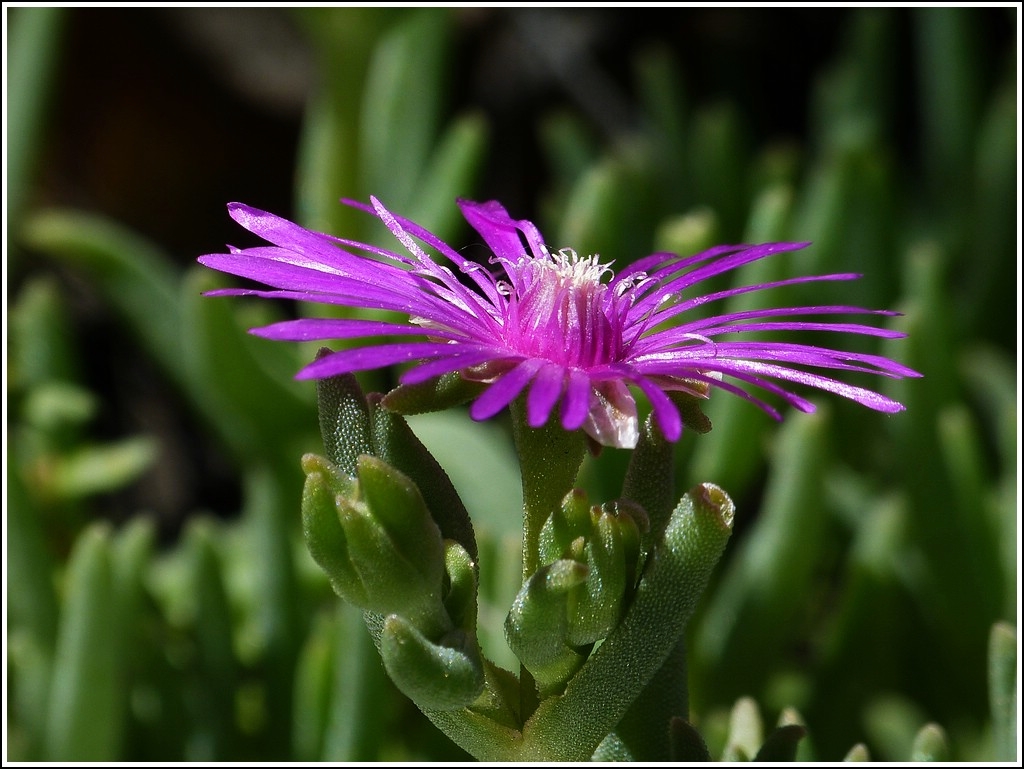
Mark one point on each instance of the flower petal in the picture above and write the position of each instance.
(869, 398)
(504, 390)
(544, 392)
(377, 356)
(612, 420)
(501, 232)
(475, 271)
(549, 325)
(576, 401)
(463, 356)
(312, 329)
(665, 412)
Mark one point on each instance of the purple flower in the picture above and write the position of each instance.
(562, 328)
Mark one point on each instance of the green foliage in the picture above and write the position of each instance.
(872, 583)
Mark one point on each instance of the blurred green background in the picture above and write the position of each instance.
(160, 603)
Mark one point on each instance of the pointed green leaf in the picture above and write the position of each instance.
(217, 663)
(398, 445)
(758, 604)
(269, 511)
(359, 686)
(858, 752)
(1002, 685)
(138, 280)
(443, 676)
(85, 715)
(346, 423)
(401, 105)
(930, 744)
(433, 395)
(32, 61)
(314, 678)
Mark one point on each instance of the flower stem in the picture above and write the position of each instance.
(549, 460)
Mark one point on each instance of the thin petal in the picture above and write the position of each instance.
(504, 390)
(576, 402)
(275, 267)
(311, 329)
(501, 232)
(366, 358)
(729, 322)
(543, 396)
(665, 412)
(660, 265)
(869, 398)
(669, 285)
(701, 373)
(475, 271)
(465, 357)
(795, 400)
(800, 325)
(281, 232)
(809, 355)
(699, 301)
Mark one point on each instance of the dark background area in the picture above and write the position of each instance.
(165, 114)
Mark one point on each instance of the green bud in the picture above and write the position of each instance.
(442, 676)
(570, 727)
(460, 599)
(433, 395)
(398, 445)
(596, 606)
(374, 537)
(633, 525)
(394, 546)
(565, 526)
(537, 626)
(606, 540)
(322, 529)
(395, 502)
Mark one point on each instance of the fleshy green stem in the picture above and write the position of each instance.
(549, 460)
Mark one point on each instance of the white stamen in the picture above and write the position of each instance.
(579, 269)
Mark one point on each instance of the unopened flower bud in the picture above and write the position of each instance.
(374, 537)
(537, 626)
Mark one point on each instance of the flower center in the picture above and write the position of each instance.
(562, 312)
